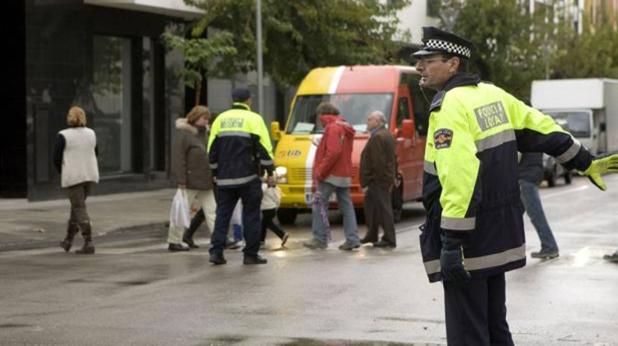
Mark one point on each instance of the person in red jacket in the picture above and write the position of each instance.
(332, 172)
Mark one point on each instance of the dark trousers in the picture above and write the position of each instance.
(77, 196)
(251, 196)
(268, 223)
(476, 312)
(379, 212)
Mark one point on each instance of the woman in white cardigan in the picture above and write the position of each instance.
(75, 159)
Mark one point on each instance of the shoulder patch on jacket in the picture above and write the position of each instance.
(442, 138)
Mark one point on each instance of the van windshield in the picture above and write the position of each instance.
(577, 123)
(353, 107)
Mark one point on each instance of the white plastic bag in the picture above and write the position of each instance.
(179, 213)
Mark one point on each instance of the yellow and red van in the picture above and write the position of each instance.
(356, 91)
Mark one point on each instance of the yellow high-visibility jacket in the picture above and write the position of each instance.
(239, 147)
(470, 181)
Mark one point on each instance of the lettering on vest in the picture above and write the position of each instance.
(491, 115)
(232, 123)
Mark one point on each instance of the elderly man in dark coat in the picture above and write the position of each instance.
(378, 170)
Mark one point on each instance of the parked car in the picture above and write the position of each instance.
(554, 171)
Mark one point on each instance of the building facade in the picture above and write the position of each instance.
(108, 60)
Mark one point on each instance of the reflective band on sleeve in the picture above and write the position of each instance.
(483, 262)
(495, 140)
(456, 224)
(236, 181)
(213, 166)
(234, 134)
(430, 168)
(570, 153)
(266, 162)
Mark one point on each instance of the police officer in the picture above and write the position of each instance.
(239, 151)
(474, 229)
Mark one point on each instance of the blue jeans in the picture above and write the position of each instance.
(532, 202)
(344, 201)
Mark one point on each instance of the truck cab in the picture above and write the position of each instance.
(356, 91)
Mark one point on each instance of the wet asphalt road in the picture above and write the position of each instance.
(134, 292)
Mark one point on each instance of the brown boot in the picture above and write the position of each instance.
(72, 229)
(88, 248)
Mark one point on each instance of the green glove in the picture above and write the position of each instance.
(600, 167)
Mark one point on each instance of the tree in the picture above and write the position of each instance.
(300, 35)
(199, 54)
(506, 47)
(593, 53)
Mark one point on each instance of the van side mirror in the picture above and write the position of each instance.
(275, 131)
(407, 129)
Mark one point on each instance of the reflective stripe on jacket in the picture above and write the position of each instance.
(239, 147)
(470, 181)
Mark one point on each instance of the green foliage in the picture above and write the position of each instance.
(513, 47)
(199, 54)
(593, 53)
(300, 35)
(506, 52)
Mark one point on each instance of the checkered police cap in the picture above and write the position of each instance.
(439, 41)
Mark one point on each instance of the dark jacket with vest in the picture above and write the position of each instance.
(379, 160)
(531, 167)
(470, 182)
(239, 147)
(190, 161)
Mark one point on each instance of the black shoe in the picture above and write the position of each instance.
(217, 258)
(612, 258)
(190, 242)
(257, 259)
(545, 254)
(366, 241)
(348, 247)
(384, 243)
(284, 239)
(177, 247)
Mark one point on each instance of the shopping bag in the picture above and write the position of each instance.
(179, 213)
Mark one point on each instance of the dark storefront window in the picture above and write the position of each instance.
(111, 92)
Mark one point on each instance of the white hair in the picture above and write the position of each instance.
(381, 117)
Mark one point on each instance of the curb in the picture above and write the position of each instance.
(129, 232)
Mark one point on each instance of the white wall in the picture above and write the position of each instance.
(414, 18)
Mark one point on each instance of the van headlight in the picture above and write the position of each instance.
(281, 173)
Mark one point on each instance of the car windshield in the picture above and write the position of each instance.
(353, 107)
(577, 123)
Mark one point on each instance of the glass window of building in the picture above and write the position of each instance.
(111, 103)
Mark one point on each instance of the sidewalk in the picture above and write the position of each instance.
(25, 225)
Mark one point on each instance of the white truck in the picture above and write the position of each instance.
(587, 108)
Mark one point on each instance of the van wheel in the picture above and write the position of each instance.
(397, 200)
(287, 216)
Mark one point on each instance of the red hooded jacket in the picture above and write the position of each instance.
(333, 158)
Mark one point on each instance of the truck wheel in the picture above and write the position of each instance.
(397, 200)
(567, 178)
(287, 216)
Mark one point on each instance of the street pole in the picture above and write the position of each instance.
(260, 68)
